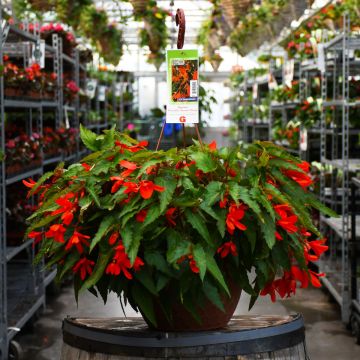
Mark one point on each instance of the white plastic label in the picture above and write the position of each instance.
(91, 88)
(102, 93)
(303, 139)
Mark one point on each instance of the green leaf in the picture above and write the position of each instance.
(215, 271)
(146, 280)
(127, 236)
(284, 165)
(200, 259)
(213, 295)
(169, 183)
(71, 260)
(158, 261)
(109, 139)
(43, 178)
(153, 213)
(238, 192)
(98, 270)
(262, 199)
(214, 192)
(90, 187)
(197, 222)
(144, 301)
(177, 247)
(268, 229)
(88, 138)
(204, 162)
(133, 248)
(314, 202)
(105, 226)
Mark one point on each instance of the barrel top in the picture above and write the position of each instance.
(243, 333)
(136, 326)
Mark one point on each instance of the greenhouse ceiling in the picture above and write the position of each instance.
(196, 11)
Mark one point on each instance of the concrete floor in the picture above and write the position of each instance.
(326, 337)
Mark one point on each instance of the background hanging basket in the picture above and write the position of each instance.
(41, 5)
(139, 6)
(234, 9)
(154, 37)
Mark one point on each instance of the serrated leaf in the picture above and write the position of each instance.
(98, 270)
(146, 280)
(284, 165)
(152, 214)
(238, 192)
(214, 270)
(71, 260)
(213, 295)
(158, 261)
(204, 162)
(108, 140)
(200, 259)
(127, 236)
(169, 183)
(197, 222)
(262, 199)
(214, 192)
(105, 226)
(177, 247)
(90, 187)
(144, 301)
(268, 229)
(42, 179)
(88, 138)
(133, 248)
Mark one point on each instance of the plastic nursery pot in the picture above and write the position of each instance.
(212, 318)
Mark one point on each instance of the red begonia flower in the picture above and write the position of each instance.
(78, 240)
(57, 232)
(236, 213)
(147, 188)
(141, 215)
(85, 266)
(226, 249)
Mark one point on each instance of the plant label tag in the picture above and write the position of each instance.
(321, 58)
(118, 89)
(91, 88)
(102, 93)
(303, 139)
(5, 27)
(289, 72)
(183, 86)
(38, 53)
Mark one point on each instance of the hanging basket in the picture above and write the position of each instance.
(139, 6)
(215, 63)
(41, 5)
(234, 9)
(154, 37)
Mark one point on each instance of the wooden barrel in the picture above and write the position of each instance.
(246, 337)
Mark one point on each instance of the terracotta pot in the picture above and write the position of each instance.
(211, 317)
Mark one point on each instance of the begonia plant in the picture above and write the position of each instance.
(136, 222)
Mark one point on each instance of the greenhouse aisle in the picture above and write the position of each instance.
(326, 336)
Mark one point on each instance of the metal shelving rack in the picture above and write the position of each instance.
(22, 286)
(335, 151)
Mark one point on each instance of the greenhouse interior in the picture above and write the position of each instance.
(180, 179)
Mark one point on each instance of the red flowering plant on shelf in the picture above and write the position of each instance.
(183, 227)
(70, 90)
(22, 152)
(68, 39)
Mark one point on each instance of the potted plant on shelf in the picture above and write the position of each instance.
(68, 38)
(176, 233)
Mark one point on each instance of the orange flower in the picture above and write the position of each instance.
(170, 215)
(287, 218)
(119, 181)
(113, 237)
(141, 215)
(77, 240)
(147, 188)
(212, 146)
(235, 214)
(226, 249)
(57, 232)
(87, 167)
(85, 266)
(66, 208)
